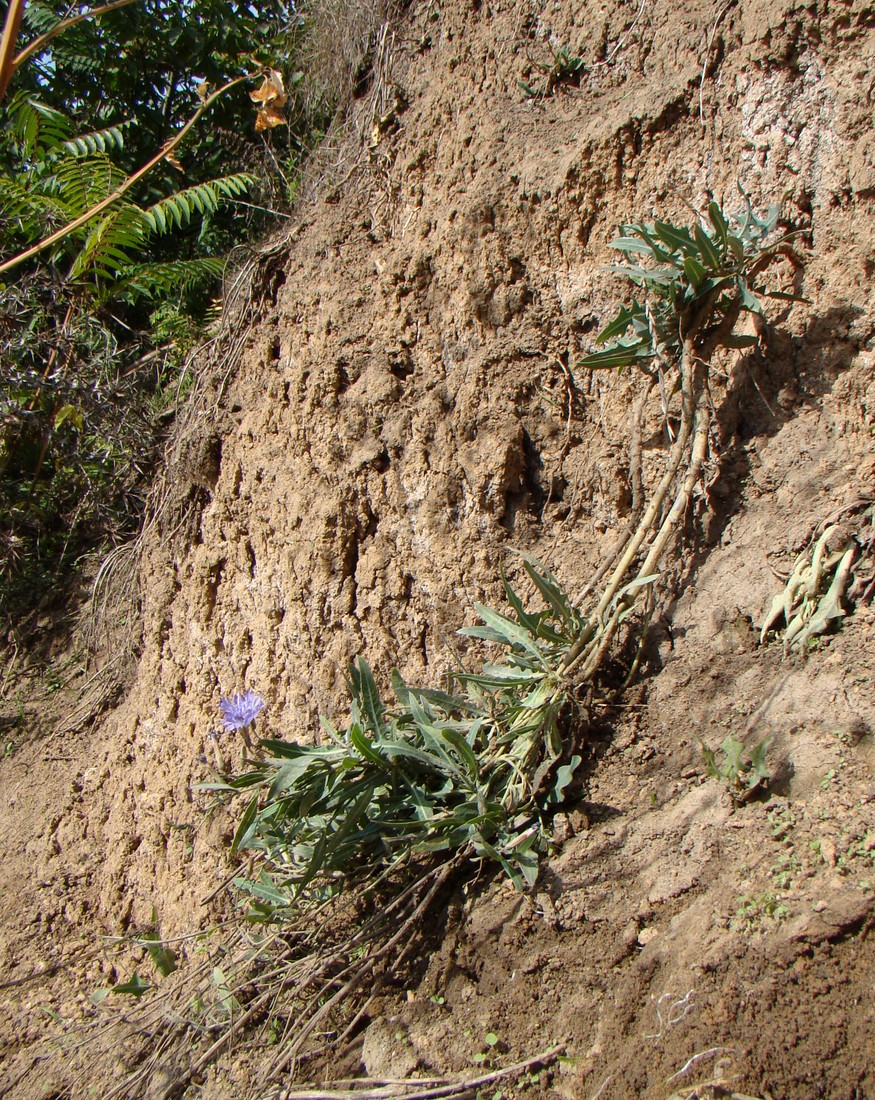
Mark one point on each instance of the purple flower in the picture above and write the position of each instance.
(240, 711)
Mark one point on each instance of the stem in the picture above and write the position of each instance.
(697, 458)
(10, 35)
(39, 43)
(83, 219)
(453, 1088)
(689, 405)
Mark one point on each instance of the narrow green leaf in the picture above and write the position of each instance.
(564, 776)
(618, 357)
(245, 827)
(736, 247)
(677, 238)
(551, 591)
(630, 245)
(709, 253)
(526, 620)
(512, 633)
(400, 688)
(749, 300)
(626, 317)
(719, 222)
(368, 694)
(460, 744)
(694, 272)
(785, 296)
(363, 746)
(162, 956)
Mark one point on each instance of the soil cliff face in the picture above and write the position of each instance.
(351, 473)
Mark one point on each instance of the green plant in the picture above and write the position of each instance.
(784, 870)
(835, 571)
(744, 771)
(491, 1046)
(475, 771)
(696, 282)
(72, 426)
(756, 912)
(113, 236)
(564, 68)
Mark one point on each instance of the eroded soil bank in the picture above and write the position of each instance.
(348, 479)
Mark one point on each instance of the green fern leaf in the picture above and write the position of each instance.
(98, 141)
(159, 280)
(108, 245)
(176, 211)
(39, 17)
(35, 127)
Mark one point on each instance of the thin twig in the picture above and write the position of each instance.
(456, 1088)
(40, 43)
(288, 1056)
(133, 179)
(621, 41)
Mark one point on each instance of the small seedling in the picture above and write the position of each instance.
(784, 871)
(743, 771)
(565, 68)
(756, 911)
(491, 1047)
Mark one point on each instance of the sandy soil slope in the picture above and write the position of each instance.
(349, 477)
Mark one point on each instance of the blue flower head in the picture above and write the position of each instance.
(240, 711)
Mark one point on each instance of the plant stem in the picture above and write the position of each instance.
(83, 219)
(10, 34)
(40, 43)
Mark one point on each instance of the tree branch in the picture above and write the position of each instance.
(8, 64)
(65, 24)
(83, 219)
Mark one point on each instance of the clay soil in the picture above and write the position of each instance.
(394, 405)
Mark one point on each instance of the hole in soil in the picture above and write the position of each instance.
(401, 364)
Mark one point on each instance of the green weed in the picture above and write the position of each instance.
(476, 770)
(756, 913)
(744, 771)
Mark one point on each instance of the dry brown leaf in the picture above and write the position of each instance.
(268, 117)
(203, 91)
(174, 162)
(272, 90)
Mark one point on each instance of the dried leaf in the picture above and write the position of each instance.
(203, 91)
(268, 117)
(272, 90)
(174, 162)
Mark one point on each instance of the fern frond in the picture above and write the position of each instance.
(159, 280)
(35, 126)
(32, 210)
(176, 210)
(106, 249)
(82, 182)
(72, 58)
(39, 16)
(98, 141)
